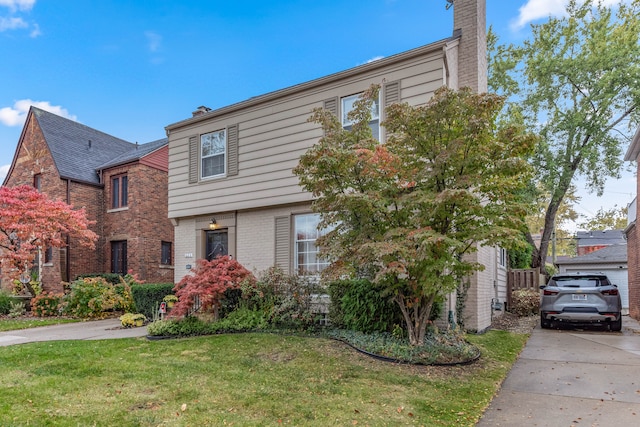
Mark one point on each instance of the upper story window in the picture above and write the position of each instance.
(347, 106)
(307, 259)
(37, 181)
(119, 191)
(213, 150)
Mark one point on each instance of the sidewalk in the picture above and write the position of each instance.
(572, 378)
(90, 330)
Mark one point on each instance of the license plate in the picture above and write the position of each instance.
(579, 297)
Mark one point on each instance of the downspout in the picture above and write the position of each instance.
(68, 251)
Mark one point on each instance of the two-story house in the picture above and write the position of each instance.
(121, 185)
(231, 186)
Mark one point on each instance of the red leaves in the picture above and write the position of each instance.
(30, 220)
(208, 284)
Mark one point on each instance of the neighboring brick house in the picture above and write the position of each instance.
(590, 241)
(231, 186)
(631, 233)
(80, 165)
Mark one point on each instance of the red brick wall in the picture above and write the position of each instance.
(633, 271)
(34, 157)
(144, 223)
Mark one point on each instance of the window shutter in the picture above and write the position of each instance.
(232, 150)
(331, 105)
(193, 159)
(391, 92)
(283, 239)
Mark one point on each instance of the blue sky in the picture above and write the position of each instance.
(129, 68)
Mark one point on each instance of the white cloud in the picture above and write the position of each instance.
(154, 39)
(4, 169)
(537, 9)
(14, 5)
(16, 115)
(11, 23)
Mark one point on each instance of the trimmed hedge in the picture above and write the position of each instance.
(148, 296)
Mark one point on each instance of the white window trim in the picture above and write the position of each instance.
(295, 246)
(343, 113)
(225, 154)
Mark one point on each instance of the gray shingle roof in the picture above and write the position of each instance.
(78, 150)
(136, 153)
(613, 253)
(593, 238)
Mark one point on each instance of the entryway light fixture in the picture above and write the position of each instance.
(213, 224)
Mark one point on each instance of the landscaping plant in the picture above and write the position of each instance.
(202, 290)
(447, 179)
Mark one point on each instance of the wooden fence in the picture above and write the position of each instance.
(523, 279)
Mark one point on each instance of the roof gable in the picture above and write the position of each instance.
(78, 150)
(136, 153)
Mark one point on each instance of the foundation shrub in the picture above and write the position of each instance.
(148, 296)
(47, 304)
(525, 302)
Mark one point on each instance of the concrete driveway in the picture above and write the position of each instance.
(91, 330)
(572, 377)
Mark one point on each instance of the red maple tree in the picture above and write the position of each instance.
(203, 290)
(30, 220)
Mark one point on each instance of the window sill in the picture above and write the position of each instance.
(126, 208)
(168, 267)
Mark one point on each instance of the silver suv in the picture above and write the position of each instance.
(581, 298)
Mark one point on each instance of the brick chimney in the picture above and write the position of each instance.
(469, 17)
(200, 111)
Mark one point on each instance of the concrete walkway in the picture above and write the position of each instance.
(90, 330)
(572, 377)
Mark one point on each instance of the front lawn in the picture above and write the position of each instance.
(241, 379)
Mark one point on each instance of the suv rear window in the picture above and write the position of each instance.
(579, 282)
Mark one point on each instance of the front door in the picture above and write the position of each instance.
(217, 244)
(119, 257)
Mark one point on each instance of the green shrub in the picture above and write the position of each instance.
(113, 278)
(525, 302)
(148, 296)
(47, 304)
(5, 302)
(95, 297)
(183, 327)
(362, 307)
(243, 319)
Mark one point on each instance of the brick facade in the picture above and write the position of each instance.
(143, 224)
(633, 258)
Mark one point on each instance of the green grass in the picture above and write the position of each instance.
(242, 380)
(8, 324)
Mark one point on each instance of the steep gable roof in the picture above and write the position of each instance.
(136, 153)
(78, 150)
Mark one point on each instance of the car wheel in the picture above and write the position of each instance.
(616, 326)
(544, 323)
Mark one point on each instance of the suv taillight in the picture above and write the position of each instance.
(610, 292)
(549, 292)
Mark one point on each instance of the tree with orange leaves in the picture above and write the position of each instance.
(30, 220)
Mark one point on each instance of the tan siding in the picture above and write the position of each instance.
(273, 136)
